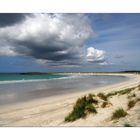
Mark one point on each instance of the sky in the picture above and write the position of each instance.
(69, 42)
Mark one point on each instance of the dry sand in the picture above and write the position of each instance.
(52, 111)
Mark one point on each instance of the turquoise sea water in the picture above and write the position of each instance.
(18, 77)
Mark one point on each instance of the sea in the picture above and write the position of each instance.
(16, 88)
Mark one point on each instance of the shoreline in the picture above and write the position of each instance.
(54, 87)
(51, 111)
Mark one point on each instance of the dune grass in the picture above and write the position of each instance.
(93, 95)
(125, 91)
(104, 104)
(111, 94)
(78, 110)
(82, 107)
(127, 125)
(88, 104)
(90, 99)
(102, 96)
(120, 92)
(138, 87)
(138, 99)
(90, 109)
(131, 104)
(118, 114)
(132, 96)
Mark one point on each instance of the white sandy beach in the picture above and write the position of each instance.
(51, 111)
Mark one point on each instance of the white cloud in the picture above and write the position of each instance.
(7, 51)
(95, 55)
(41, 61)
(104, 63)
(54, 37)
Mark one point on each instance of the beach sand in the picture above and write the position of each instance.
(52, 111)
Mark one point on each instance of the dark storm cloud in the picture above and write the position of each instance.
(55, 39)
(51, 49)
(98, 61)
(51, 53)
(9, 19)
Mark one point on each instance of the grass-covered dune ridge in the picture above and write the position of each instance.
(91, 103)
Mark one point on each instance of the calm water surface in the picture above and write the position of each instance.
(15, 88)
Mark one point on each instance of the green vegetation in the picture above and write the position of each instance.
(78, 110)
(93, 95)
(91, 109)
(90, 99)
(127, 125)
(118, 113)
(82, 107)
(111, 94)
(104, 104)
(138, 87)
(131, 96)
(121, 92)
(131, 104)
(102, 96)
(88, 104)
(138, 99)
(125, 91)
(95, 101)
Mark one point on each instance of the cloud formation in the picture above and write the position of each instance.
(10, 19)
(95, 55)
(7, 51)
(54, 39)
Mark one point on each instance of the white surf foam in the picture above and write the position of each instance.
(36, 80)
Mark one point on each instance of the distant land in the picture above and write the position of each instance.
(37, 73)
